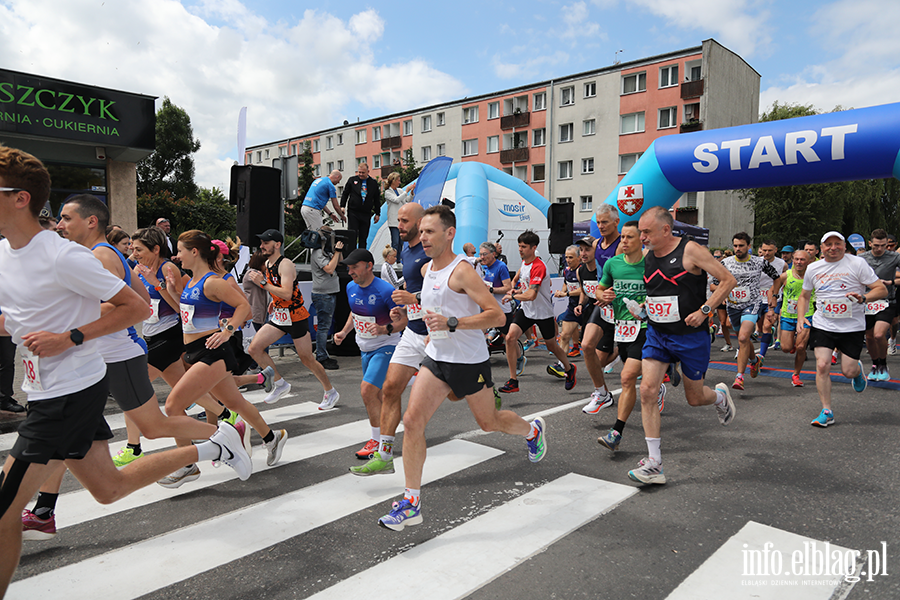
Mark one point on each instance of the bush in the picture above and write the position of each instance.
(210, 213)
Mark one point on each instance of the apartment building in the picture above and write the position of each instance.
(571, 139)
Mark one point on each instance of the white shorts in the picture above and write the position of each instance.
(312, 217)
(411, 350)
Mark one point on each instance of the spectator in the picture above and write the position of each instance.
(258, 298)
(325, 289)
(362, 199)
(387, 267)
(163, 223)
(321, 192)
(500, 256)
(395, 198)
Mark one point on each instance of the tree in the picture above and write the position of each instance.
(209, 211)
(409, 172)
(294, 223)
(171, 166)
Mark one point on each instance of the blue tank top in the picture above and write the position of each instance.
(198, 313)
(125, 344)
(602, 255)
(164, 316)
(413, 259)
(227, 310)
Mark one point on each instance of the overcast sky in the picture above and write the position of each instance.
(302, 67)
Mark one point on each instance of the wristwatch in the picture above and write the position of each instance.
(705, 309)
(452, 324)
(76, 336)
(418, 296)
(228, 326)
(390, 328)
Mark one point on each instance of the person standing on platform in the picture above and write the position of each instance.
(362, 199)
(320, 193)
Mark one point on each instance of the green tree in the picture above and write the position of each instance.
(409, 172)
(209, 211)
(171, 166)
(294, 224)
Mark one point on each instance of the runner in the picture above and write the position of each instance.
(288, 316)
(676, 292)
(720, 311)
(458, 307)
(572, 291)
(767, 314)
(743, 303)
(880, 313)
(531, 286)
(623, 279)
(840, 282)
(377, 335)
(56, 331)
(794, 340)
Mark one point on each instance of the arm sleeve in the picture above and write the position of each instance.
(769, 270)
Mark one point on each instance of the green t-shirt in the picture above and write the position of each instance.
(791, 292)
(627, 281)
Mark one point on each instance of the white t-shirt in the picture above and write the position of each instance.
(535, 273)
(832, 281)
(56, 285)
(766, 282)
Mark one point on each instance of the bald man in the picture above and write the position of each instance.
(317, 198)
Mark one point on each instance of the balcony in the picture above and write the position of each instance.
(514, 156)
(520, 119)
(692, 89)
(385, 171)
(692, 125)
(390, 143)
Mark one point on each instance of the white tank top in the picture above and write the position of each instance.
(464, 346)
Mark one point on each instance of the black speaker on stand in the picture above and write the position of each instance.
(256, 191)
(561, 222)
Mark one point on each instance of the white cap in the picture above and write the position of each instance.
(832, 234)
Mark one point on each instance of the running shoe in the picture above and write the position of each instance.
(570, 376)
(727, 348)
(754, 336)
(825, 418)
(402, 513)
(521, 362)
(834, 357)
(892, 346)
(232, 418)
(557, 370)
(244, 432)
(755, 367)
(268, 379)
(537, 447)
(873, 374)
(611, 439)
(230, 441)
(498, 401)
(180, 477)
(575, 351)
(375, 466)
(726, 413)
(859, 382)
(366, 452)
(648, 471)
(885, 375)
(661, 397)
(276, 446)
(529, 344)
(36, 529)
(609, 368)
(125, 456)
(329, 399)
(598, 402)
(278, 391)
(738, 382)
(776, 345)
(796, 381)
(511, 386)
(673, 374)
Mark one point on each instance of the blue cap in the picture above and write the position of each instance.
(787, 249)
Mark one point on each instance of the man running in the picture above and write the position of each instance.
(840, 282)
(794, 339)
(677, 310)
(880, 313)
(572, 291)
(767, 314)
(457, 308)
(288, 316)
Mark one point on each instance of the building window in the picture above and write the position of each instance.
(360, 160)
(587, 203)
(567, 96)
(426, 153)
(668, 76)
(259, 156)
(520, 173)
(293, 149)
(267, 154)
(441, 149)
(633, 123)
(470, 147)
(470, 115)
(667, 118)
(376, 161)
(329, 166)
(493, 144)
(340, 166)
(376, 133)
(565, 169)
(340, 139)
(539, 137)
(329, 143)
(537, 172)
(493, 110)
(426, 123)
(626, 161)
(689, 200)
(590, 127)
(587, 166)
(636, 82)
(590, 89)
(315, 145)
(540, 101)
(407, 127)
(361, 136)
(693, 70)
(317, 172)
(440, 119)
(565, 132)
(282, 150)
(566, 200)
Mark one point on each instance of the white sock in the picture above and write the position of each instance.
(601, 390)
(721, 398)
(280, 382)
(208, 450)
(653, 449)
(376, 433)
(386, 448)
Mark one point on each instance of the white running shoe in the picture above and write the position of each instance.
(727, 348)
(329, 399)
(609, 368)
(180, 477)
(276, 446)
(280, 390)
(230, 442)
(598, 401)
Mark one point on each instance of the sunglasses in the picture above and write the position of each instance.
(6, 189)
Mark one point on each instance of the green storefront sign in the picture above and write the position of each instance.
(45, 107)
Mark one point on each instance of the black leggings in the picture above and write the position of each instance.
(9, 485)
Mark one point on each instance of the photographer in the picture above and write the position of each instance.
(325, 288)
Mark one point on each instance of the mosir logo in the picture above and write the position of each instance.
(516, 211)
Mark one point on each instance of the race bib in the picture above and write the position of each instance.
(662, 309)
(32, 367)
(281, 316)
(488, 283)
(836, 309)
(414, 312)
(187, 318)
(876, 306)
(572, 287)
(360, 324)
(608, 314)
(790, 306)
(627, 331)
(739, 295)
(154, 312)
(590, 288)
(439, 334)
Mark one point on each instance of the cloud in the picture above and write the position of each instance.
(575, 17)
(530, 68)
(218, 56)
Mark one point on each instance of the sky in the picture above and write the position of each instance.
(301, 67)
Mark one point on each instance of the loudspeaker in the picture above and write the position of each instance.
(560, 221)
(256, 191)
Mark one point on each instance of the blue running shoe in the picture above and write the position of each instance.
(529, 344)
(825, 418)
(859, 382)
(402, 513)
(538, 446)
(611, 439)
(521, 362)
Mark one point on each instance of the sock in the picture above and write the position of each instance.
(135, 448)
(45, 505)
(280, 382)
(208, 450)
(376, 433)
(386, 447)
(764, 342)
(260, 379)
(619, 426)
(534, 431)
(653, 448)
(721, 398)
(269, 437)
(225, 414)
(414, 496)
(601, 390)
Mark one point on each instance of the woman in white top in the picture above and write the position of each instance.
(388, 273)
(395, 198)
